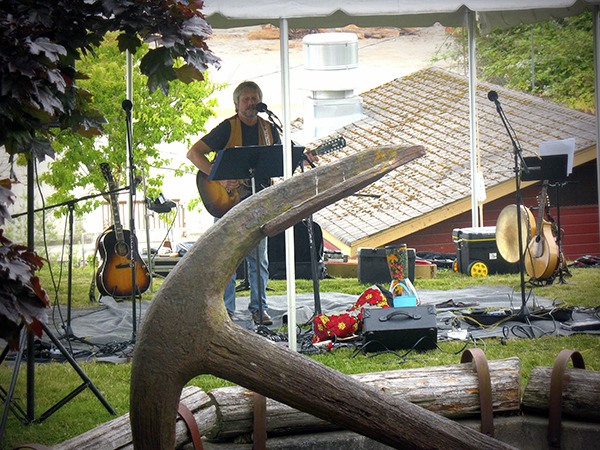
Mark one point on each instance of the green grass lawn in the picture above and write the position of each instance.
(55, 380)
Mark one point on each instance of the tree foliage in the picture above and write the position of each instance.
(23, 301)
(42, 39)
(553, 59)
(562, 52)
(157, 118)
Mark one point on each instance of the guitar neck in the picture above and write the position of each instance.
(114, 204)
(329, 146)
(541, 207)
(116, 217)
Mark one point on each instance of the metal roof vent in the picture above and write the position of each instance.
(330, 73)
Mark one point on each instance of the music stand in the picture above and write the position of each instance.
(553, 169)
(253, 162)
(258, 161)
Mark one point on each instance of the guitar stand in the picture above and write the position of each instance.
(245, 283)
(553, 170)
(563, 270)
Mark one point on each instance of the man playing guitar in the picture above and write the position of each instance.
(244, 129)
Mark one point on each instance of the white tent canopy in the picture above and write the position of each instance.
(398, 13)
(489, 14)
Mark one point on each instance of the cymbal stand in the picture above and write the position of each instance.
(519, 167)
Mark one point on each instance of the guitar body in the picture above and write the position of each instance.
(114, 275)
(541, 258)
(218, 200)
(542, 254)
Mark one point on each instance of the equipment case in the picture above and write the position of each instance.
(399, 328)
(476, 249)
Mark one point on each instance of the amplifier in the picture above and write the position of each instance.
(399, 328)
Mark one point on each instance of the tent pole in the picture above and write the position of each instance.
(597, 96)
(287, 173)
(470, 17)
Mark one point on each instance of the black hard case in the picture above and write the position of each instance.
(399, 328)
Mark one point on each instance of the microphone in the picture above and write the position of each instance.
(127, 105)
(261, 107)
(493, 96)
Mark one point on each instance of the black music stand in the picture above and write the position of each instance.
(256, 162)
(552, 169)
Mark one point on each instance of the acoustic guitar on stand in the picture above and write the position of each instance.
(114, 276)
(218, 200)
(542, 254)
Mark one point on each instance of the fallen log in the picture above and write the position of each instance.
(451, 391)
(116, 434)
(580, 398)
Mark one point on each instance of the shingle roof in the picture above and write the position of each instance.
(431, 108)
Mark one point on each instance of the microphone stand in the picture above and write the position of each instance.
(128, 106)
(519, 167)
(261, 107)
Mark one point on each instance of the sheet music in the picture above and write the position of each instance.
(560, 147)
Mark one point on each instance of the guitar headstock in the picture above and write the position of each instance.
(330, 145)
(107, 174)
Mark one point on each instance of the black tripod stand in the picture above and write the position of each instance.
(27, 343)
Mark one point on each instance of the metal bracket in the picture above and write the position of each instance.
(191, 424)
(485, 388)
(556, 392)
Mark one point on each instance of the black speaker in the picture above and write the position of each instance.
(276, 248)
(399, 328)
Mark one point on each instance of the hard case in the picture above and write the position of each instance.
(479, 244)
(399, 328)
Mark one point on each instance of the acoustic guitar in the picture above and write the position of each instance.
(542, 254)
(114, 276)
(218, 200)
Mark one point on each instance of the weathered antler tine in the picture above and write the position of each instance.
(186, 331)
